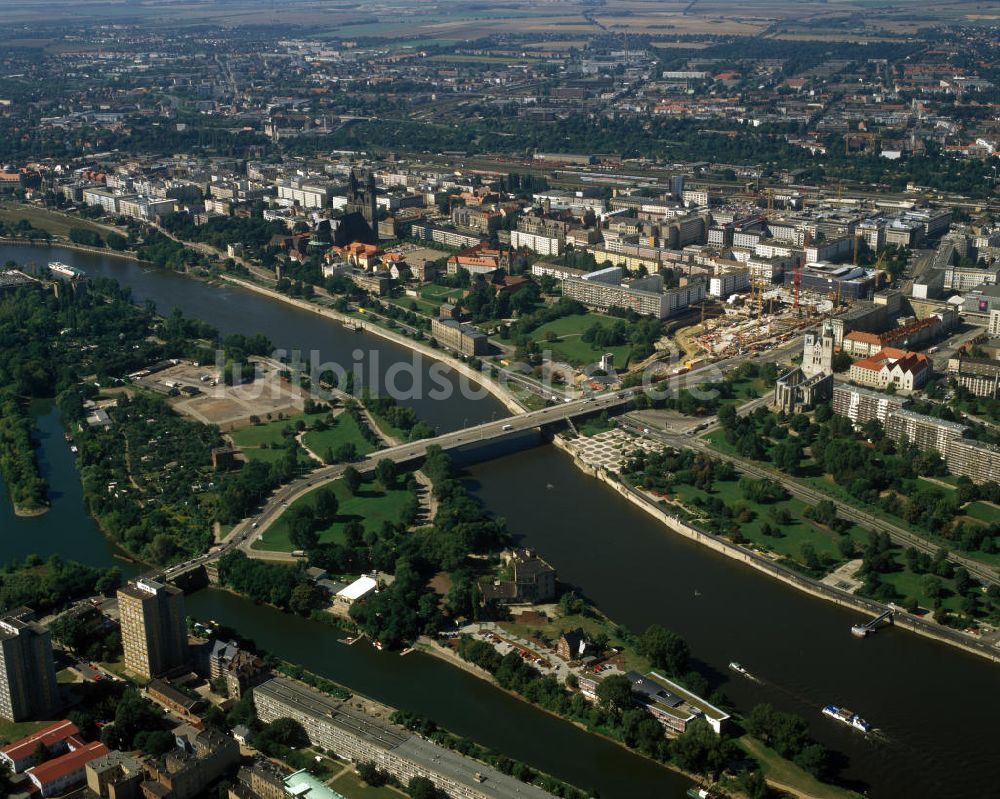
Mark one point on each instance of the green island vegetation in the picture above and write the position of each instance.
(343, 512)
(48, 586)
(28, 490)
(616, 714)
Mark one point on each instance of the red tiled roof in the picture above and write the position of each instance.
(56, 769)
(50, 736)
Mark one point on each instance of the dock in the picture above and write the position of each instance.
(862, 630)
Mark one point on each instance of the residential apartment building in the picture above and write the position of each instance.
(352, 730)
(861, 405)
(28, 688)
(977, 460)
(460, 337)
(925, 432)
(116, 775)
(981, 376)
(603, 289)
(449, 238)
(185, 772)
(304, 193)
(726, 283)
(541, 243)
(154, 632)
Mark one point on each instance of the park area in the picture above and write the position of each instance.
(370, 505)
(565, 338)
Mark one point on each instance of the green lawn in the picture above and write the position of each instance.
(908, 584)
(415, 304)
(438, 295)
(787, 773)
(350, 786)
(595, 425)
(569, 345)
(270, 432)
(12, 730)
(983, 511)
(55, 223)
(343, 430)
(794, 535)
(370, 506)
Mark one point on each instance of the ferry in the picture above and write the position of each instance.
(848, 717)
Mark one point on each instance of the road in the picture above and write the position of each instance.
(806, 493)
(249, 530)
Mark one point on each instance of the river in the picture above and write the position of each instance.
(936, 705)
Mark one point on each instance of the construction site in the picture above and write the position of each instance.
(771, 314)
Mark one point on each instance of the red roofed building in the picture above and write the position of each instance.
(54, 777)
(58, 738)
(857, 343)
(891, 367)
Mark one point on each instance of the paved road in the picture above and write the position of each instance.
(246, 532)
(805, 493)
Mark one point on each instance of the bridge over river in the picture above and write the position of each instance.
(250, 529)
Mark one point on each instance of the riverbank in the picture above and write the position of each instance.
(29, 514)
(788, 577)
(509, 401)
(69, 245)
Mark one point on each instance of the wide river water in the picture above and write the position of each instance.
(936, 706)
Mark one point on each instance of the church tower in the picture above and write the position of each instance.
(817, 352)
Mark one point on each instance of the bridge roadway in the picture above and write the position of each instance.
(249, 530)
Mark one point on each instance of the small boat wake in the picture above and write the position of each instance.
(739, 669)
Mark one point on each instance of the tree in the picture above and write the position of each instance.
(787, 456)
(421, 788)
(615, 694)
(352, 480)
(326, 506)
(664, 648)
(305, 596)
(385, 473)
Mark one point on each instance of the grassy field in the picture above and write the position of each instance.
(415, 304)
(568, 344)
(350, 786)
(344, 430)
(983, 511)
(593, 426)
(55, 223)
(12, 730)
(793, 535)
(271, 433)
(371, 506)
(785, 772)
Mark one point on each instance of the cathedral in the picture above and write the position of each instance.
(812, 382)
